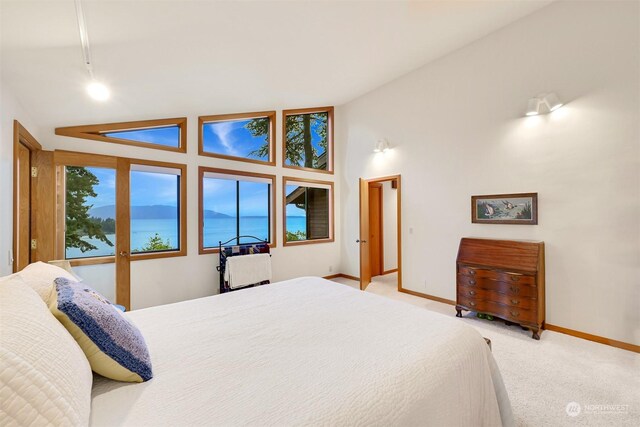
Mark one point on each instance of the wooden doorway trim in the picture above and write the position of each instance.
(376, 228)
(365, 267)
(21, 137)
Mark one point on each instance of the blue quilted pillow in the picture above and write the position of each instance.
(113, 345)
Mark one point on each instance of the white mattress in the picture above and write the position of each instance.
(306, 352)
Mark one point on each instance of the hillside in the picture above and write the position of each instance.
(148, 212)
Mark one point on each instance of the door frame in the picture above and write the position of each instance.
(364, 217)
(381, 223)
(20, 136)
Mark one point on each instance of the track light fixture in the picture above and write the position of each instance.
(543, 104)
(95, 89)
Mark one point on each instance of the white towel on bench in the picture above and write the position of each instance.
(243, 270)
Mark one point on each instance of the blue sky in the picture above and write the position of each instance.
(167, 136)
(147, 188)
(220, 196)
(231, 138)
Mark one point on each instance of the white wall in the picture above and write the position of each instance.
(10, 110)
(390, 225)
(458, 129)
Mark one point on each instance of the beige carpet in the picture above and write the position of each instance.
(543, 377)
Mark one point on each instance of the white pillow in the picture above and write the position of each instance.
(40, 276)
(45, 378)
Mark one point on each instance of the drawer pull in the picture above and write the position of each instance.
(472, 304)
(472, 292)
(472, 282)
(515, 278)
(514, 289)
(515, 301)
(472, 272)
(514, 313)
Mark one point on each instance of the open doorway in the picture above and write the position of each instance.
(380, 229)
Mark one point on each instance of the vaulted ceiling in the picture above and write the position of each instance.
(175, 58)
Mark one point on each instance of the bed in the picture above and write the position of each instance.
(305, 352)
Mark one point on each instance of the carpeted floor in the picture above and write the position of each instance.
(543, 377)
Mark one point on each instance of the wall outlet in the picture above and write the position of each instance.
(330, 268)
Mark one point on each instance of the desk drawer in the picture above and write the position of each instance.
(515, 314)
(486, 295)
(507, 288)
(501, 276)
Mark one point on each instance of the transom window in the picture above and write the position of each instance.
(308, 139)
(162, 134)
(308, 211)
(235, 204)
(245, 137)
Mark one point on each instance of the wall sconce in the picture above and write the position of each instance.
(382, 146)
(543, 104)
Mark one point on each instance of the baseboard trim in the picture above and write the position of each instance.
(431, 297)
(344, 276)
(595, 338)
(578, 334)
(384, 273)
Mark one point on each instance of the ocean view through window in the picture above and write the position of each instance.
(235, 204)
(91, 212)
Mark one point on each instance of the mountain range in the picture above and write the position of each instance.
(148, 212)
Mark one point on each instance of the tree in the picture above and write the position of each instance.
(296, 235)
(299, 148)
(80, 184)
(155, 243)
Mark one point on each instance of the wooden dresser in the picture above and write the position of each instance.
(502, 278)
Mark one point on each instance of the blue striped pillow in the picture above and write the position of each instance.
(113, 345)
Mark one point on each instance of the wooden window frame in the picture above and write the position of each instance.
(121, 165)
(330, 157)
(271, 115)
(285, 180)
(202, 170)
(96, 132)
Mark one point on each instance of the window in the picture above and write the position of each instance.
(308, 139)
(308, 211)
(90, 212)
(155, 209)
(247, 137)
(109, 205)
(233, 204)
(163, 134)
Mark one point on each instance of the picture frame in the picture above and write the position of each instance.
(519, 208)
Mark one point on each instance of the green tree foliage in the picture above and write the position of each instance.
(299, 148)
(156, 243)
(80, 184)
(297, 235)
(108, 225)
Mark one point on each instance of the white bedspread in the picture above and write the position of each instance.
(306, 352)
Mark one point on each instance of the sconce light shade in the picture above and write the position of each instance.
(532, 107)
(543, 104)
(552, 101)
(382, 146)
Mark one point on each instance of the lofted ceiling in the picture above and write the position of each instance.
(176, 58)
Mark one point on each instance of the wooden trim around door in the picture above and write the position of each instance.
(329, 184)
(20, 136)
(398, 180)
(96, 132)
(201, 172)
(330, 157)
(271, 115)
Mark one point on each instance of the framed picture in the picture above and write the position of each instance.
(505, 209)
